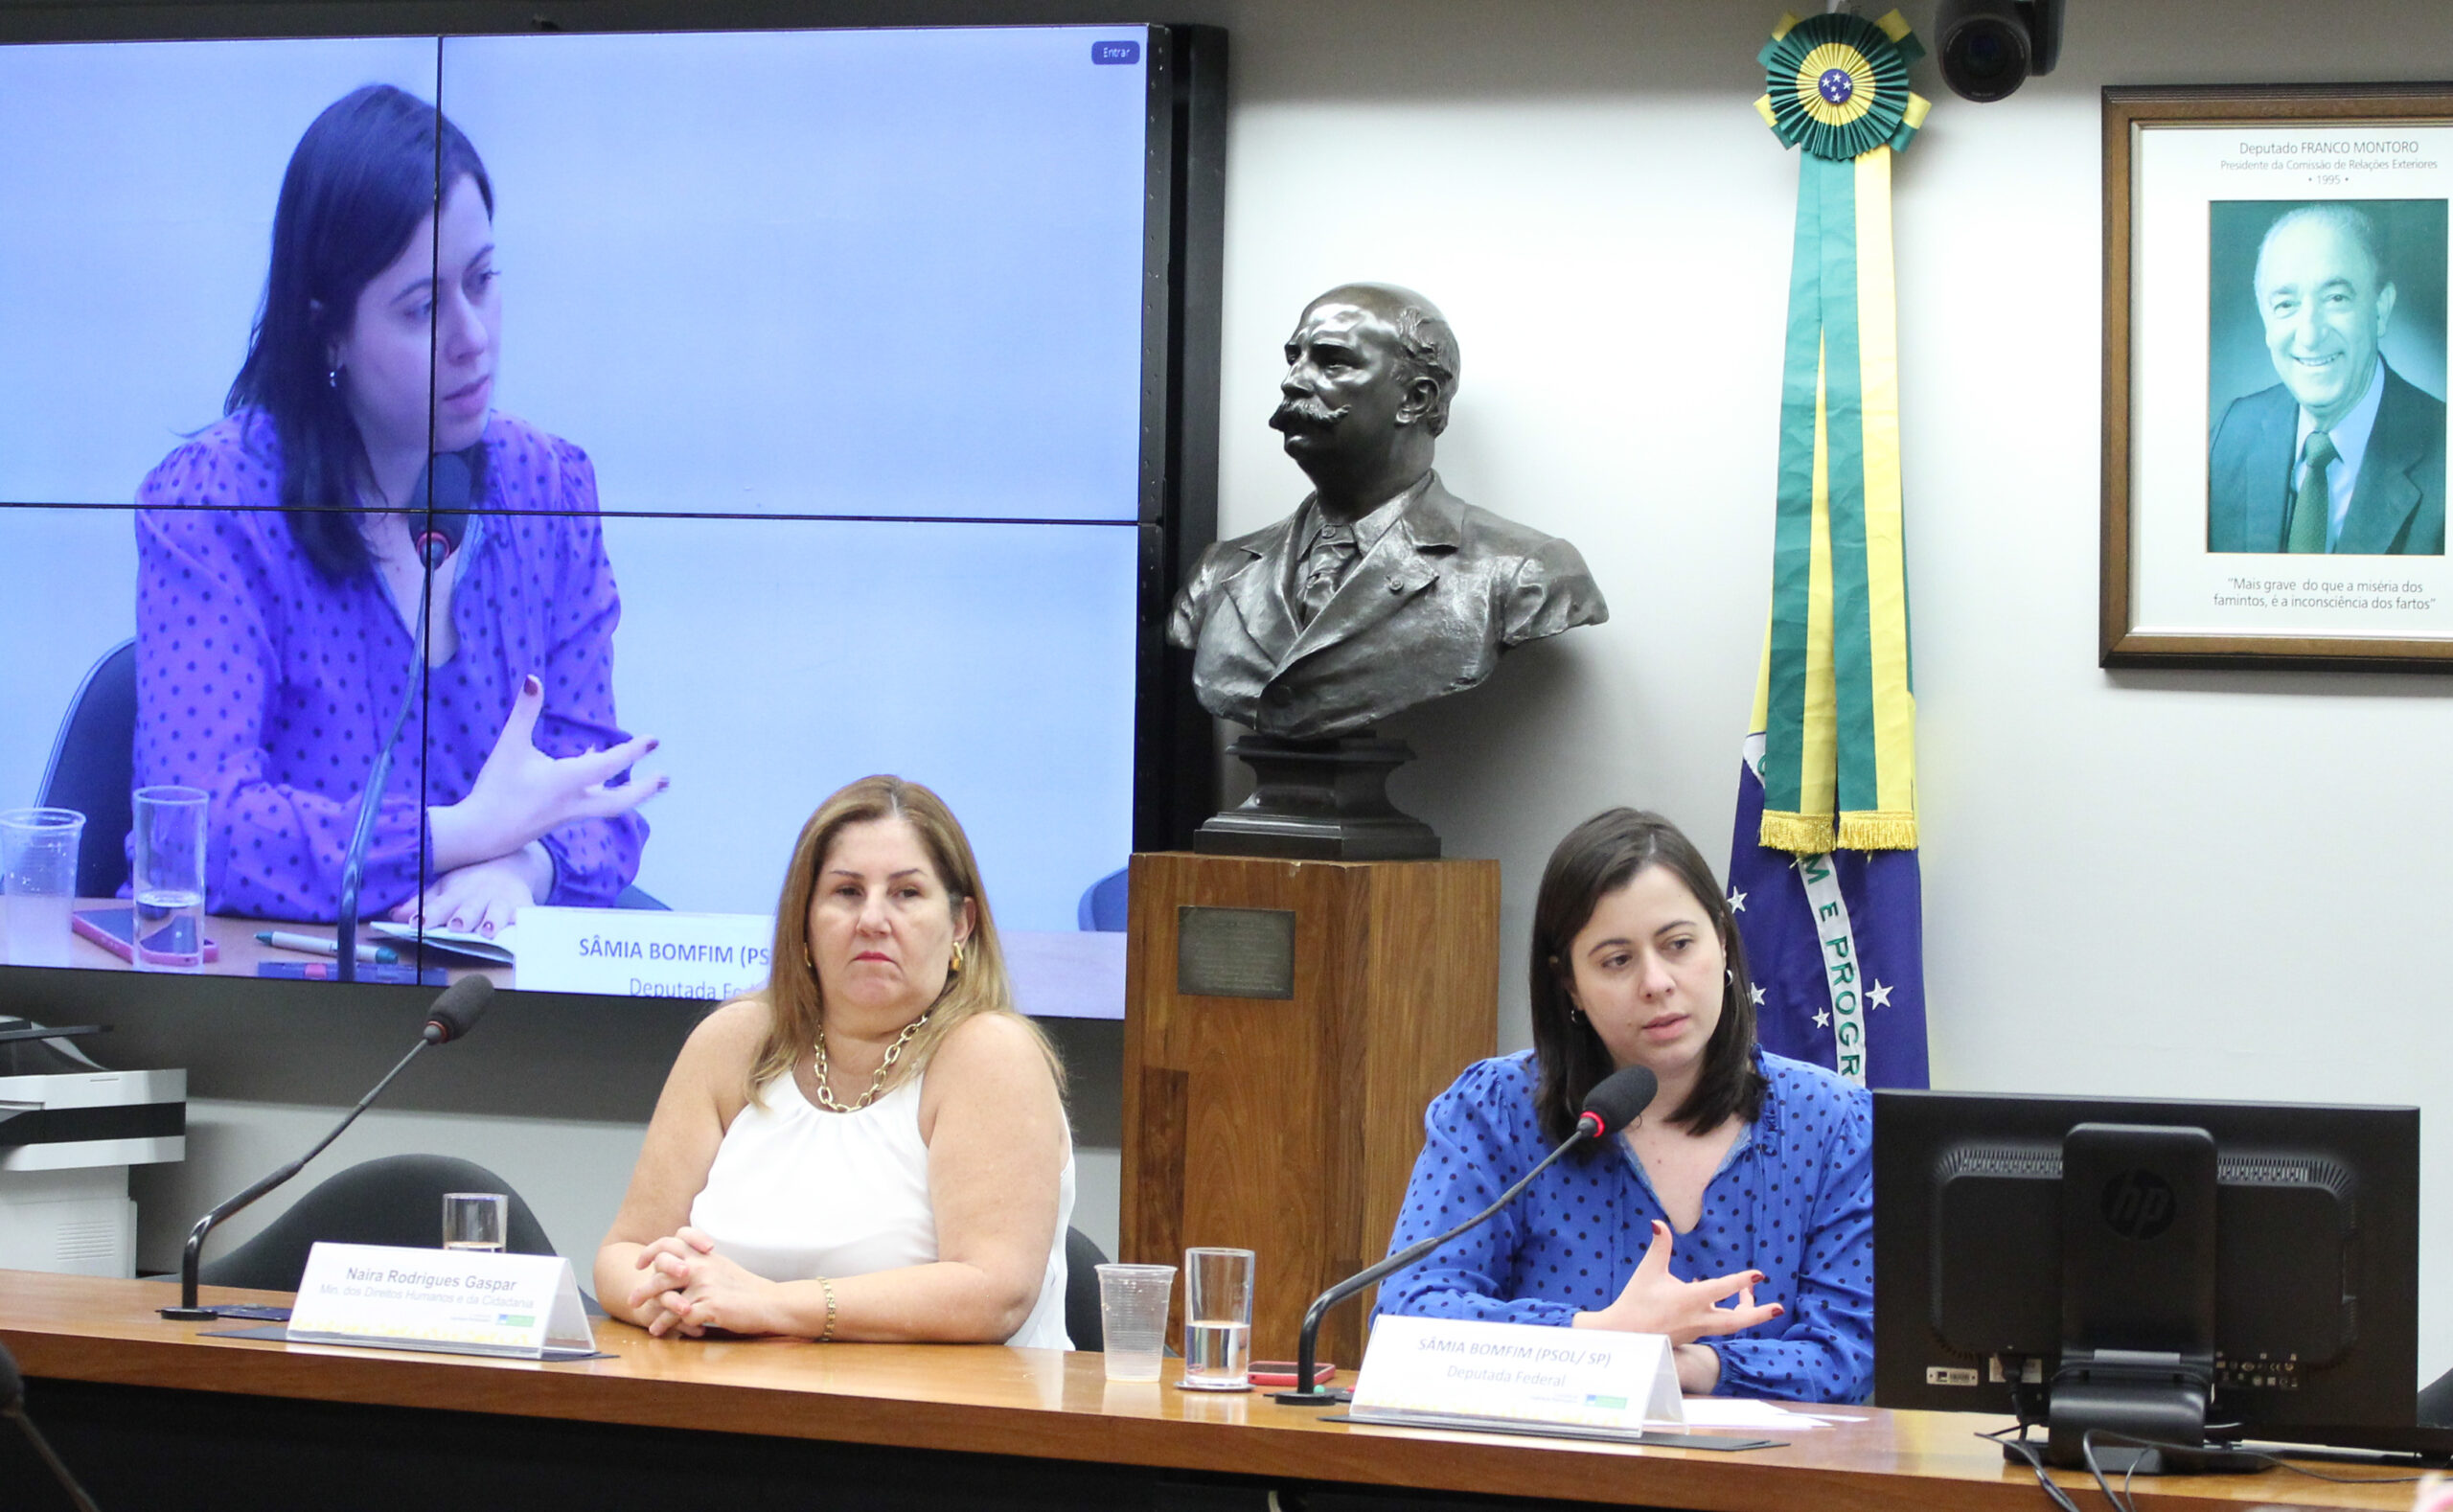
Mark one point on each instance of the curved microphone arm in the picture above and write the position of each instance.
(371, 800)
(1306, 1392)
(194, 1252)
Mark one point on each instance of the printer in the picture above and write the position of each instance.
(69, 1130)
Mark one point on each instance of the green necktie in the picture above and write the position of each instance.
(2311, 496)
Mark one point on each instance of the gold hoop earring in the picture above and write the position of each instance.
(953, 966)
(808, 962)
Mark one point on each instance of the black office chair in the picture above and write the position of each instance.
(93, 766)
(394, 1200)
(1082, 1262)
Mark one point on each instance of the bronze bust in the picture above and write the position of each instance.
(1382, 590)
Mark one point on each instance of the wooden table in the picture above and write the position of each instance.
(155, 1414)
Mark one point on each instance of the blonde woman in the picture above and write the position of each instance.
(873, 1146)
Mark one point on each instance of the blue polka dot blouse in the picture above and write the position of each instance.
(1793, 1200)
(269, 686)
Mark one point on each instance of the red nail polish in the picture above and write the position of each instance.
(533, 685)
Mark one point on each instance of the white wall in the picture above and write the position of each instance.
(2186, 884)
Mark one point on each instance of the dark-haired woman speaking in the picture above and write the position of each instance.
(279, 582)
(1749, 1182)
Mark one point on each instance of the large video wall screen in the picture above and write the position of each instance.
(771, 403)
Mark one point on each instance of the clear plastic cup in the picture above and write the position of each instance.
(1132, 1317)
(1218, 1319)
(38, 849)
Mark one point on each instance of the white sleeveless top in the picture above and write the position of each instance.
(796, 1192)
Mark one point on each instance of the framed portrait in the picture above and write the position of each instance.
(2276, 274)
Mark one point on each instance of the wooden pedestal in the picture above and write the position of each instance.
(1288, 1124)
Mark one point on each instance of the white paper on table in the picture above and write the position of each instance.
(1728, 1412)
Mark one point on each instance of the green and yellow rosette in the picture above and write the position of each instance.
(1833, 699)
(1837, 85)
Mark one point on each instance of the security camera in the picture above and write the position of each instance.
(1990, 47)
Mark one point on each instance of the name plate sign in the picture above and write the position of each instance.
(1417, 1367)
(642, 952)
(459, 1302)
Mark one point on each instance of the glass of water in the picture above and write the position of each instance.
(169, 879)
(1218, 1319)
(475, 1219)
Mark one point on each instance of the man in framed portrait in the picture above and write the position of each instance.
(2344, 455)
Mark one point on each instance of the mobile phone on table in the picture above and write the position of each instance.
(114, 930)
(1281, 1372)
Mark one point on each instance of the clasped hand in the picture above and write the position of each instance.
(687, 1288)
(1654, 1302)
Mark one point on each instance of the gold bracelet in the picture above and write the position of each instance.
(828, 1332)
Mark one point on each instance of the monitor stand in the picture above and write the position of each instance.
(2130, 1394)
(2138, 1302)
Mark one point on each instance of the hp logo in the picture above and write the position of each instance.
(2139, 1205)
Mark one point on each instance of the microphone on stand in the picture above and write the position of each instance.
(453, 1015)
(1620, 1100)
(444, 483)
(12, 1404)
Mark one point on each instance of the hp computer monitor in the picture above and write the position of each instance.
(2183, 1271)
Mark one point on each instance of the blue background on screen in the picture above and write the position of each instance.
(823, 272)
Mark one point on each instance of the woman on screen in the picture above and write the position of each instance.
(280, 581)
(873, 1146)
(1749, 1180)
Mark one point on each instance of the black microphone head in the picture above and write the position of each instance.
(456, 1012)
(444, 487)
(13, 1385)
(1620, 1100)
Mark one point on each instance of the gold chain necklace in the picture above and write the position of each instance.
(826, 1098)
